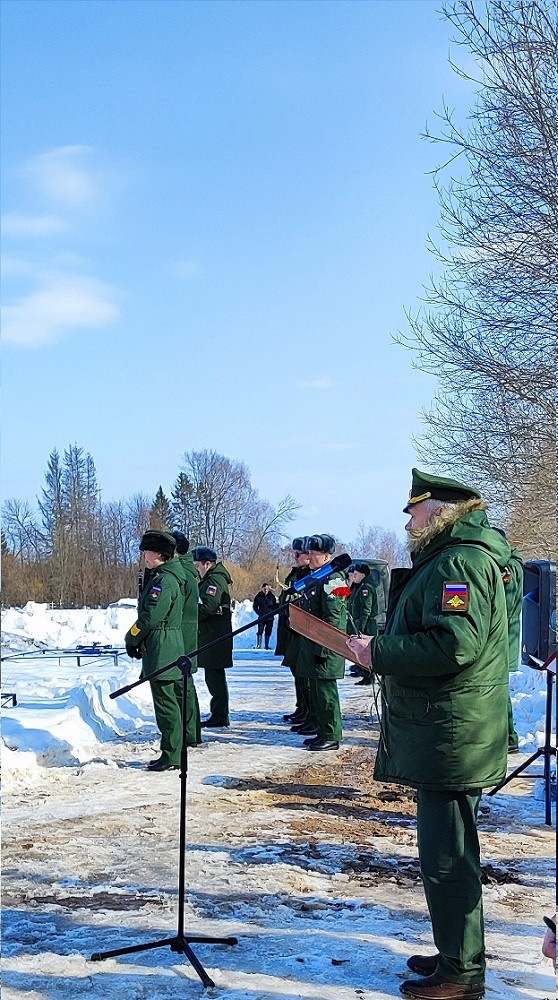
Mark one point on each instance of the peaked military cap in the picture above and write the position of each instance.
(321, 543)
(202, 553)
(158, 541)
(427, 487)
(182, 543)
(300, 544)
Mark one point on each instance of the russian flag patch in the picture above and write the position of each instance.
(456, 596)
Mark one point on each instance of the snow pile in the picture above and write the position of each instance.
(64, 708)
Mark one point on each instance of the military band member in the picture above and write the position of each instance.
(189, 633)
(157, 638)
(321, 666)
(362, 608)
(288, 640)
(214, 622)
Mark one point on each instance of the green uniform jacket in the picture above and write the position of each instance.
(214, 618)
(362, 608)
(158, 629)
(513, 586)
(315, 661)
(445, 670)
(288, 641)
(191, 599)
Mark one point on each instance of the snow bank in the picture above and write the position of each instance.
(64, 708)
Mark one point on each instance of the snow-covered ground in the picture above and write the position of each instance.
(308, 862)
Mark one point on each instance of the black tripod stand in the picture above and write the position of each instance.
(547, 751)
(181, 941)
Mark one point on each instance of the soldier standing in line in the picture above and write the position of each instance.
(214, 622)
(190, 633)
(513, 589)
(443, 664)
(156, 638)
(318, 665)
(362, 608)
(288, 640)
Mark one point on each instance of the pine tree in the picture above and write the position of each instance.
(160, 516)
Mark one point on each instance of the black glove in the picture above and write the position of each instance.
(134, 652)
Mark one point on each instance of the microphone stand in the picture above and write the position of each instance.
(181, 941)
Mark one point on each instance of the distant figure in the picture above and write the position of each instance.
(264, 602)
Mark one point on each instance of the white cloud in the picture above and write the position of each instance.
(64, 303)
(316, 383)
(16, 224)
(61, 176)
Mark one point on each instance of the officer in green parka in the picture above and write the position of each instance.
(189, 633)
(513, 589)
(157, 638)
(443, 668)
(287, 639)
(321, 667)
(214, 622)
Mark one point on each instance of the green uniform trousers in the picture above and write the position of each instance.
(449, 856)
(513, 738)
(167, 702)
(325, 710)
(193, 721)
(216, 681)
(302, 696)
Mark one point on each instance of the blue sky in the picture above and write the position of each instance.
(214, 217)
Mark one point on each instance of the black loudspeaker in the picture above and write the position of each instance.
(538, 616)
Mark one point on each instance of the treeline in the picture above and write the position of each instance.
(74, 549)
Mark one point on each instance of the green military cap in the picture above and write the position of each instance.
(202, 553)
(427, 487)
(158, 541)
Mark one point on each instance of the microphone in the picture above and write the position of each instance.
(339, 563)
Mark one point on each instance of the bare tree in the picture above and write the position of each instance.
(379, 543)
(21, 534)
(487, 330)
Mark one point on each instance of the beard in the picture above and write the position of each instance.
(418, 537)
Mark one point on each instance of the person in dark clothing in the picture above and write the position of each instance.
(264, 601)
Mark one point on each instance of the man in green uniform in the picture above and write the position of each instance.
(443, 667)
(513, 588)
(214, 621)
(287, 639)
(157, 638)
(362, 608)
(189, 633)
(318, 665)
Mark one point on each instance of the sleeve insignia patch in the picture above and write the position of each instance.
(135, 630)
(365, 593)
(456, 596)
(211, 590)
(155, 593)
